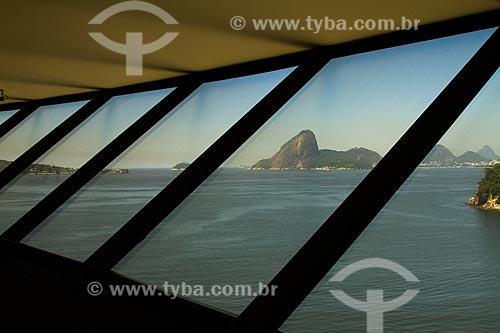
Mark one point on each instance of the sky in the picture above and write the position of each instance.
(479, 124)
(370, 100)
(366, 100)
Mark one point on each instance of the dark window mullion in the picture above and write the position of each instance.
(142, 223)
(17, 118)
(51, 139)
(96, 164)
(318, 255)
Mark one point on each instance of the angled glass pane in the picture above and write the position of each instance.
(35, 127)
(428, 227)
(241, 226)
(70, 153)
(80, 226)
(4, 115)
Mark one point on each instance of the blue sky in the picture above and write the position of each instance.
(479, 124)
(366, 100)
(371, 99)
(34, 128)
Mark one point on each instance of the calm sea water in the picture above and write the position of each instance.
(242, 227)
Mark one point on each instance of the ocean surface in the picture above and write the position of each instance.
(241, 227)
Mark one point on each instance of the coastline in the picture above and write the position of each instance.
(67, 171)
(491, 204)
(306, 169)
(350, 169)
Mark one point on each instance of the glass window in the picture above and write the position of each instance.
(35, 127)
(241, 226)
(429, 228)
(70, 153)
(104, 205)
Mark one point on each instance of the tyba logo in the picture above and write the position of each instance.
(133, 49)
(374, 306)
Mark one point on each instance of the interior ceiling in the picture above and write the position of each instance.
(46, 50)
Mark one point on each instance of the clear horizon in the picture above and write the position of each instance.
(366, 100)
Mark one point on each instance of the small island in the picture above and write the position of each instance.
(302, 153)
(46, 169)
(114, 170)
(180, 166)
(488, 192)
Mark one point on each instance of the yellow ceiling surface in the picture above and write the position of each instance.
(46, 49)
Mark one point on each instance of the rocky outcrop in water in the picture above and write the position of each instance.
(488, 192)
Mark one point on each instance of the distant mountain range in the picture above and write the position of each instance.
(442, 156)
(302, 153)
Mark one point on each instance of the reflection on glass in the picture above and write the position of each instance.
(4, 115)
(35, 127)
(70, 153)
(110, 200)
(452, 247)
(241, 226)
